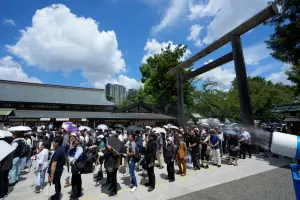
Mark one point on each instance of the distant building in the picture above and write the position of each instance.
(117, 92)
(132, 91)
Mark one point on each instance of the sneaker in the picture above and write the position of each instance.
(37, 189)
(131, 186)
(112, 194)
(151, 189)
(133, 189)
(219, 165)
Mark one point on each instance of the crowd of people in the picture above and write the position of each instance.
(54, 151)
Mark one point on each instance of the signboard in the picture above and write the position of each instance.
(45, 119)
(62, 119)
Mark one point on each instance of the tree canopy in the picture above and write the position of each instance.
(285, 41)
(160, 90)
(212, 100)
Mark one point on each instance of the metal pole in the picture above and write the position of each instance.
(241, 78)
(181, 121)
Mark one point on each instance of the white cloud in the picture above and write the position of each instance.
(9, 22)
(129, 83)
(280, 77)
(209, 61)
(223, 75)
(261, 70)
(58, 40)
(194, 35)
(226, 14)
(154, 47)
(175, 10)
(255, 53)
(12, 70)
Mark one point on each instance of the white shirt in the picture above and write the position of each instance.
(221, 136)
(121, 138)
(246, 135)
(29, 143)
(87, 139)
(81, 138)
(42, 159)
(79, 151)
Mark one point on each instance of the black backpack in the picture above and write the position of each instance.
(137, 155)
(24, 149)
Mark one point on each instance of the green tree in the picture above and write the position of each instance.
(211, 100)
(263, 95)
(110, 98)
(285, 41)
(160, 90)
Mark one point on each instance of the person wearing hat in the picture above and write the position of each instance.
(100, 147)
(181, 155)
(150, 155)
(169, 157)
(215, 146)
(76, 180)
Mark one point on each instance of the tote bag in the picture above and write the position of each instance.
(49, 190)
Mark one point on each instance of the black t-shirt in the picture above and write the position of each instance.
(60, 158)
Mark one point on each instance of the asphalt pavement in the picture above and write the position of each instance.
(275, 184)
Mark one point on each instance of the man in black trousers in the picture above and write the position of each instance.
(150, 155)
(56, 166)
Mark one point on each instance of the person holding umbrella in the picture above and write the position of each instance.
(6, 160)
(112, 162)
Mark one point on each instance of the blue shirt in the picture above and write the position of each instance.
(73, 151)
(60, 158)
(213, 140)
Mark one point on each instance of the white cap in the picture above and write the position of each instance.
(73, 134)
(101, 136)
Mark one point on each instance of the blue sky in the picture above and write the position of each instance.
(89, 43)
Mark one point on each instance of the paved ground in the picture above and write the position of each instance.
(275, 184)
(193, 182)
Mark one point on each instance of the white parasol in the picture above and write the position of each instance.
(4, 134)
(19, 128)
(82, 128)
(103, 127)
(6, 149)
(159, 130)
(148, 127)
(173, 127)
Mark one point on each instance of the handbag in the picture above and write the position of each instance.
(49, 190)
(110, 165)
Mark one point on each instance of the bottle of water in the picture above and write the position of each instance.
(189, 158)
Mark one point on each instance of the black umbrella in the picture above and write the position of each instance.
(116, 144)
(135, 128)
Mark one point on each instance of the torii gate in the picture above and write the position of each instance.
(234, 36)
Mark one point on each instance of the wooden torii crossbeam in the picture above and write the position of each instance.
(237, 55)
